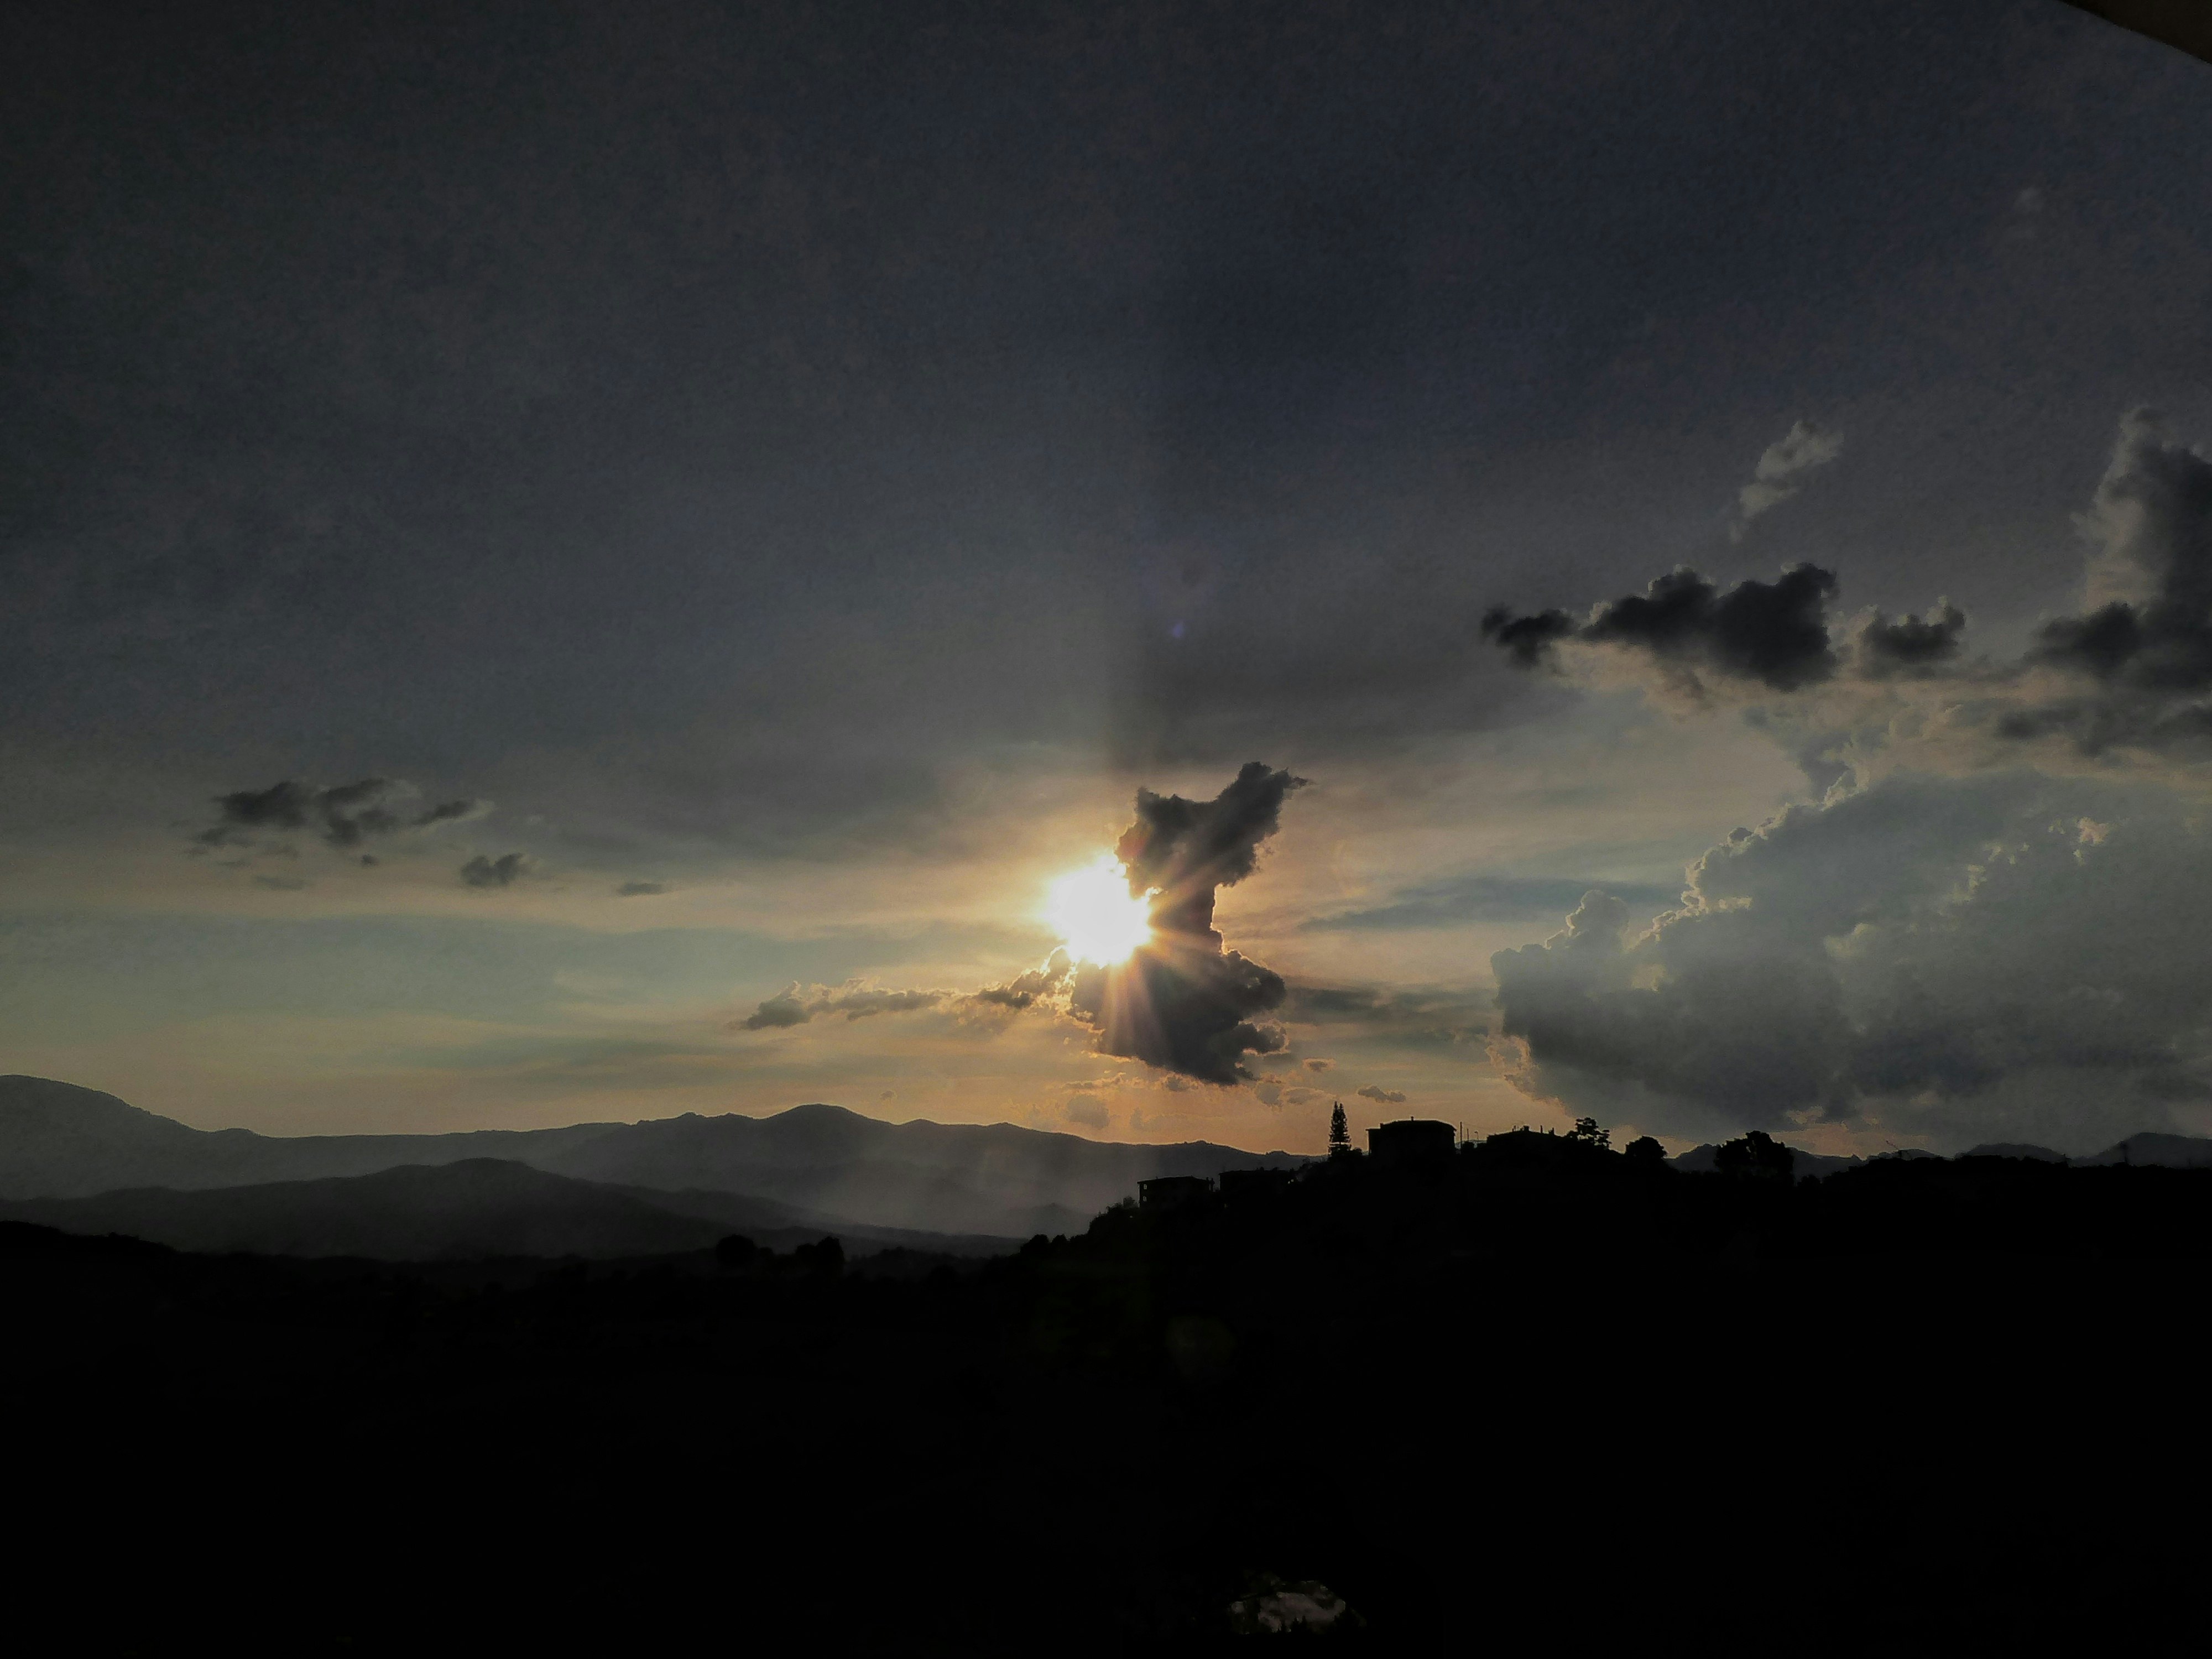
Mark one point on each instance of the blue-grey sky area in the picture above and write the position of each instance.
(574, 562)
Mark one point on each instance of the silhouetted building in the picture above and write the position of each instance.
(1170, 1191)
(1238, 1185)
(1410, 1140)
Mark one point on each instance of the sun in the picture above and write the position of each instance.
(1095, 915)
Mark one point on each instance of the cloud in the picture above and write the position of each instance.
(1027, 990)
(2142, 647)
(1910, 645)
(640, 889)
(501, 871)
(1804, 448)
(1384, 1096)
(1478, 899)
(865, 1005)
(778, 1012)
(2131, 669)
(1087, 1109)
(343, 815)
(2004, 956)
(1433, 1019)
(1184, 849)
(1319, 1065)
(1184, 1002)
(797, 1005)
(1772, 634)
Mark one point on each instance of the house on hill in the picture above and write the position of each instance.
(1411, 1141)
(1172, 1191)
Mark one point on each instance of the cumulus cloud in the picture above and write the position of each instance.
(1803, 449)
(2004, 956)
(1184, 1002)
(1317, 1064)
(343, 815)
(1383, 1097)
(797, 1005)
(502, 871)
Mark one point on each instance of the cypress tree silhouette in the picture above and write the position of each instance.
(1339, 1136)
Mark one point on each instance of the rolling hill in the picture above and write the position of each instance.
(836, 1167)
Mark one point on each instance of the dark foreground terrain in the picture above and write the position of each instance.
(1535, 1395)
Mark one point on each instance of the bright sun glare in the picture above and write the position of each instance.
(1096, 919)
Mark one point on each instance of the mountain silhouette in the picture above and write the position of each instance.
(1702, 1160)
(57, 1140)
(472, 1210)
(2161, 1151)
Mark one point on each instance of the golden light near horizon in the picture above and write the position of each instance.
(1095, 915)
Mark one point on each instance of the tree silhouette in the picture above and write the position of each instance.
(1340, 1135)
(1755, 1154)
(1646, 1153)
(1586, 1129)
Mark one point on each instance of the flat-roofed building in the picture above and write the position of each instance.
(1170, 1192)
(1411, 1140)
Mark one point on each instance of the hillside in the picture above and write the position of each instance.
(57, 1140)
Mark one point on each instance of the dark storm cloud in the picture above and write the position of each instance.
(1481, 899)
(501, 871)
(1770, 634)
(1184, 1002)
(344, 815)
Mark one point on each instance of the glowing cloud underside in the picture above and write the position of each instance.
(1096, 917)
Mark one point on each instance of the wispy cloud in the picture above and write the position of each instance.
(1804, 448)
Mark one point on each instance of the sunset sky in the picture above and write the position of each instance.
(576, 563)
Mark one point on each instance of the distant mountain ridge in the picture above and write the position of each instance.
(2149, 1149)
(59, 1141)
(477, 1209)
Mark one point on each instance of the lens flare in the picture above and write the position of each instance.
(1095, 915)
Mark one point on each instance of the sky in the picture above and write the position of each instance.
(570, 562)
